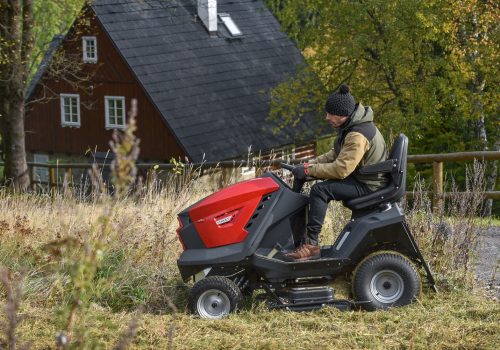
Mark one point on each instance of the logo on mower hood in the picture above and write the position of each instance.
(226, 217)
(224, 220)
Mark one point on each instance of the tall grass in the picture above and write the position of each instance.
(109, 254)
(140, 246)
(449, 237)
(47, 237)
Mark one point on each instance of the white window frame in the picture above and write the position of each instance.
(86, 58)
(63, 120)
(108, 124)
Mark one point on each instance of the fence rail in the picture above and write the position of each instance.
(454, 157)
(437, 161)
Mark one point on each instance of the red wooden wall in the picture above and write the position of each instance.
(110, 76)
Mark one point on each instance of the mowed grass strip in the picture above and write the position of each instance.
(456, 320)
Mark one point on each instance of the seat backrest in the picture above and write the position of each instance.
(399, 152)
(396, 187)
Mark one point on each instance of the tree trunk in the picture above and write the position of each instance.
(477, 88)
(16, 170)
(470, 42)
(478, 110)
(491, 182)
(17, 35)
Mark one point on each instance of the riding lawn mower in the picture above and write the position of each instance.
(235, 242)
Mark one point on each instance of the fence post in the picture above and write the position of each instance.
(52, 177)
(68, 178)
(437, 187)
(31, 172)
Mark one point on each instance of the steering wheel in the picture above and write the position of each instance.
(297, 184)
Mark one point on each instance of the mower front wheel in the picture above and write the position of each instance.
(214, 297)
(385, 280)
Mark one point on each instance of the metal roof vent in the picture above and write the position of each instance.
(230, 25)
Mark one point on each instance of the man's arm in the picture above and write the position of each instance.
(327, 157)
(351, 154)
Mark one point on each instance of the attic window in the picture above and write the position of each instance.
(89, 49)
(230, 25)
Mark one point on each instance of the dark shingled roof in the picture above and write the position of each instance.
(214, 93)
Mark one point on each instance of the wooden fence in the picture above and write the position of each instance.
(437, 161)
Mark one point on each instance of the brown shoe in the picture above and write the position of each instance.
(305, 252)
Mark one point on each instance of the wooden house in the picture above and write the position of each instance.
(202, 72)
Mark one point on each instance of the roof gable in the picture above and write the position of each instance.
(213, 92)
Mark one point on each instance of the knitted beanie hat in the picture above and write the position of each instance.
(341, 102)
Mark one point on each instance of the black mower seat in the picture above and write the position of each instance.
(395, 167)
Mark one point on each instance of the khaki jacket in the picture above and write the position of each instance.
(358, 143)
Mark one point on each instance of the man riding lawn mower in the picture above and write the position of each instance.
(255, 235)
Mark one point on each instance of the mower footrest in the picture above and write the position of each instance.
(307, 294)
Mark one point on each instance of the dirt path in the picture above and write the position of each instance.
(488, 264)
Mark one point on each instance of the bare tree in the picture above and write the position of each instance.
(16, 43)
(66, 67)
(17, 60)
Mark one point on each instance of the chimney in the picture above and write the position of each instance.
(207, 11)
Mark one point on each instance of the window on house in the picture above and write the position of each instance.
(115, 112)
(89, 49)
(41, 173)
(70, 110)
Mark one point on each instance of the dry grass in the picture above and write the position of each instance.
(456, 320)
(141, 245)
(47, 239)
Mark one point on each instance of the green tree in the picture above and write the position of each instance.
(475, 47)
(52, 17)
(382, 48)
(429, 69)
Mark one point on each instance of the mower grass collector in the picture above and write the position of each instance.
(235, 239)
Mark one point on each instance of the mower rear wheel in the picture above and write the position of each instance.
(385, 280)
(214, 297)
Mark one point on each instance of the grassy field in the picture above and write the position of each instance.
(103, 273)
(456, 320)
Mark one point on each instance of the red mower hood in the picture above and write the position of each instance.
(220, 218)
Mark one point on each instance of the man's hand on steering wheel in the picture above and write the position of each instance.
(300, 172)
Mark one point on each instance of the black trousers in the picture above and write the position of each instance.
(322, 193)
